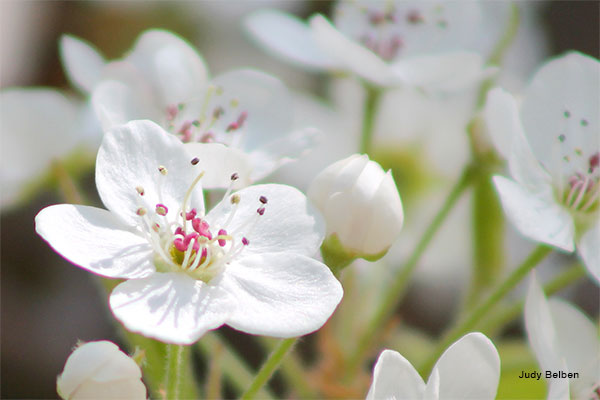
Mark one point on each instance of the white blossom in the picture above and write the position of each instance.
(247, 263)
(99, 370)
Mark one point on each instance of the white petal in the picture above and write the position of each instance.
(563, 99)
(285, 36)
(536, 215)
(36, 126)
(395, 378)
(541, 330)
(172, 65)
(280, 294)
(82, 62)
(264, 99)
(589, 250)
(290, 223)
(558, 389)
(129, 157)
(96, 240)
(282, 150)
(577, 341)
(171, 307)
(469, 369)
(432, 390)
(504, 125)
(100, 370)
(219, 163)
(443, 72)
(350, 54)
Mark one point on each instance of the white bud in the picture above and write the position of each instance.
(100, 370)
(361, 206)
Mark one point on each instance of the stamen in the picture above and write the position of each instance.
(594, 196)
(222, 242)
(162, 170)
(161, 209)
(190, 215)
(261, 211)
(245, 241)
(186, 199)
(195, 161)
(572, 192)
(141, 211)
(235, 199)
(140, 190)
(263, 199)
(582, 191)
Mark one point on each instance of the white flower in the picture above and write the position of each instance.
(563, 339)
(361, 205)
(469, 369)
(553, 150)
(243, 117)
(387, 43)
(246, 263)
(99, 370)
(37, 126)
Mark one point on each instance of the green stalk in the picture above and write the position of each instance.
(395, 291)
(269, 367)
(235, 369)
(564, 279)
(540, 252)
(67, 185)
(373, 96)
(175, 369)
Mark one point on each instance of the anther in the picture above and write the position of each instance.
(235, 199)
(263, 199)
(191, 214)
(161, 209)
(162, 170)
(235, 176)
(156, 227)
(261, 211)
(218, 112)
(195, 161)
(141, 211)
(222, 242)
(245, 241)
(140, 190)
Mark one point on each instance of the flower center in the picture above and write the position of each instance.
(183, 240)
(215, 119)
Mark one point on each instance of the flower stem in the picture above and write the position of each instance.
(540, 252)
(395, 292)
(566, 278)
(213, 381)
(269, 367)
(371, 104)
(66, 183)
(174, 371)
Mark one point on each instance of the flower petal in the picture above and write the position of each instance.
(171, 307)
(82, 62)
(36, 126)
(536, 215)
(504, 125)
(540, 326)
(469, 369)
(560, 114)
(289, 224)
(588, 250)
(287, 37)
(219, 163)
(124, 388)
(356, 58)
(280, 294)
(447, 72)
(171, 65)
(130, 156)
(577, 341)
(96, 240)
(395, 378)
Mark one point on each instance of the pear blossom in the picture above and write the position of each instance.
(242, 118)
(100, 370)
(425, 44)
(552, 144)
(246, 263)
(469, 369)
(361, 205)
(563, 340)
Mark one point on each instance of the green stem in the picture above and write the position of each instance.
(293, 372)
(175, 368)
(540, 252)
(235, 369)
(566, 278)
(395, 292)
(269, 367)
(373, 95)
(66, 183)
(213, 381)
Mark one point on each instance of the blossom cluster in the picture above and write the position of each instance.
(194, 234)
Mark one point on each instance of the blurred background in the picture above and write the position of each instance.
(48, 304)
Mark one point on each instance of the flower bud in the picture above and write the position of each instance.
(100, 370)
(362, 210)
